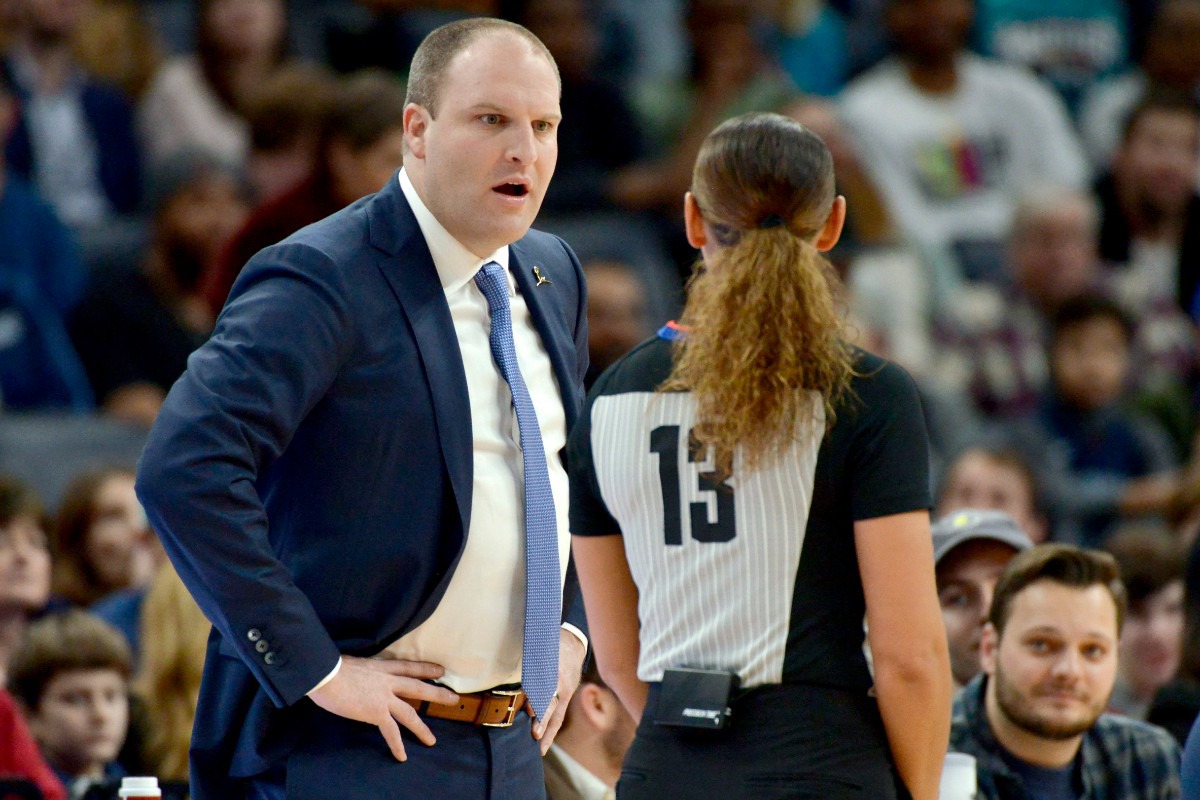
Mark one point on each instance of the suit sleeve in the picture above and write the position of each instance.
(275, 352)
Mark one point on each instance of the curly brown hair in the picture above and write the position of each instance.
(764, 326)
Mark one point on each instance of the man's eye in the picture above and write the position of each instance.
(954, 600)
(490, 119)
(541, 126)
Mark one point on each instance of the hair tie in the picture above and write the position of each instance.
(771, 221)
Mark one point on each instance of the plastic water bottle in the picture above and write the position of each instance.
(139, 787)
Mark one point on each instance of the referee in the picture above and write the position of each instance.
(744, 487)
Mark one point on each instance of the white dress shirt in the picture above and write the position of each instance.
(477, 629)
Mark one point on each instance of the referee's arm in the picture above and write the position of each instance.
(908, 644)
(611, 598)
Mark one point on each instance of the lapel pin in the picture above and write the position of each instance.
(537, 273)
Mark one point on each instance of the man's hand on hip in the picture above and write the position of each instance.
(370, 690)
(571, 653)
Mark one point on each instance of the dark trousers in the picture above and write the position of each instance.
(783, 741)
(351, 761)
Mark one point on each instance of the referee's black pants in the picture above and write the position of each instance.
(790, 741)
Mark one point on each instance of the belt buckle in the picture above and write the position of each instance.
(511, 711)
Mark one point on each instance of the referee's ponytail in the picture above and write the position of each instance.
(765, 332)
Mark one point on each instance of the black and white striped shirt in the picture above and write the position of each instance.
(757, 575)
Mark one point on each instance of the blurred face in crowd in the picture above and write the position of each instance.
(1172, 56)
(52, 20)
(358, 173)
(119, 534)
(979, 480)
(1053, 252)
(196, 222)
(566, 29)
(24, 565)
(1157, 164)
(1089, 362)
(966, 581)
(1052, 670)
(616, 311)
(483, 161)
(244, 28)
(1152, 640)
(81, 721)
(930, 32)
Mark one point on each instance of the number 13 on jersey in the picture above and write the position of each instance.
(706, 526)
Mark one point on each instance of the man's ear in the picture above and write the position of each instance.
(694, 222)
(416, 125)
(589, 701)
(832, 230)
(989, 645)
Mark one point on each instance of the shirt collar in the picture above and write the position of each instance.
(455, 264)
(588, 785)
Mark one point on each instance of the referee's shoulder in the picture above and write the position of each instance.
(642, 369)
(876, 373)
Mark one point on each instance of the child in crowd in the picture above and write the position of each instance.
(71, 678)
(1097, 461)
(996, 479)
(1152, 565)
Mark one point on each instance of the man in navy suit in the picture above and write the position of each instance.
(338, 476)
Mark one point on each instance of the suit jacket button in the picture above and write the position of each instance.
(254, 634)
(262, 646)
(269, 659)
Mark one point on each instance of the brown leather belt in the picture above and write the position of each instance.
(495, 708)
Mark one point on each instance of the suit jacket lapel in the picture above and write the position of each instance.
(558, 343)
(410, 271)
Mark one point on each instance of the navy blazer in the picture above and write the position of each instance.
(310, 473)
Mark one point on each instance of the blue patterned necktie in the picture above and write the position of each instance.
(543, 589)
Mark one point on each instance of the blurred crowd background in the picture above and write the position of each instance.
(1023, 180)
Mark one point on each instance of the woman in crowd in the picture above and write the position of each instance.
(102, 542)
(195, 101)
(24, 564)
(744, 488)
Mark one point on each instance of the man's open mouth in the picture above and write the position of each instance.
(512, 189)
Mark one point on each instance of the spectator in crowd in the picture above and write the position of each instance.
(951, 138)
(1071, 43)
(994, 478)
(358, 152)
(730, 74)
(603, 135)
(1034, 720)
(617, 314)
(993, 342)
(1171, 60)
(971, 547)
(584, 762)
(1150, 218)
(41, 280)
(808, 39)
(196, 100)
(19, 754)
(71, 678)
(117, 43)
(286, 113)
(1152, 566)
(1097, 461)
(24, 565)
(102, 542)
(74, 138)
(135, 329)
(174, 635)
